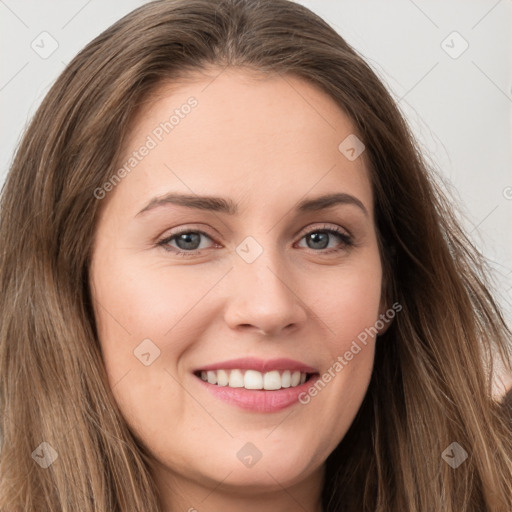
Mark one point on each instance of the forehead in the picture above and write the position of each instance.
(247, 134)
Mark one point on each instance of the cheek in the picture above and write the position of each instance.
(141, 317)
(135, 302)
(349, 310)
(350, 351)
(349, 302)
(149, 314)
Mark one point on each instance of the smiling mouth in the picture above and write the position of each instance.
(253, 379)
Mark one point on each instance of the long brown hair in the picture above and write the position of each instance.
(433, 373)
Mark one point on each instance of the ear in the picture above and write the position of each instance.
(384, 321)
(387, 309)
(386, 315)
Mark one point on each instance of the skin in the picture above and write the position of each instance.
(266, 143)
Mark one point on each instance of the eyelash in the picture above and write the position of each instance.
(346, 241)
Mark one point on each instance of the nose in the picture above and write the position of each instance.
(263, 297)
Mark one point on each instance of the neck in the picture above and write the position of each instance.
(178, 493)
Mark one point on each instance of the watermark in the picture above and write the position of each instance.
(44, 45)
(249, 249)
(351, 147)
(146, 352)
(454, 45)
(454, 455)
(507, 193)
(343, 360)
(45, 455)
(249, 455)
(152, 141)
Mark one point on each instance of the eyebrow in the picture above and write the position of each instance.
(222, 205)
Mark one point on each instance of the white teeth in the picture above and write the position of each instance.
(222, 378)
(286, 379)
(252, 379)
(236, 379)
(272, 380)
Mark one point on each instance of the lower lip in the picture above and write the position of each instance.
(259, 400)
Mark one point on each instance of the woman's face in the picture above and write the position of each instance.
(258, 277)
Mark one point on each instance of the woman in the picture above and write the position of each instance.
(173, 338)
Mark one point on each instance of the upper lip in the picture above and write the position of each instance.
(261, 365)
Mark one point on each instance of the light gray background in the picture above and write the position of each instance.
(459, 106)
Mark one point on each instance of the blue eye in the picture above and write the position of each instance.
(188, 243)
(320, 238)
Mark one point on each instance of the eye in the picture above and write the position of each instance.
(320, 238)
(188, 242)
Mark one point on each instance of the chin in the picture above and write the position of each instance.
(269, 476)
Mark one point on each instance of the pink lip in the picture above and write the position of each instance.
(259, 400)
(260, 365)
